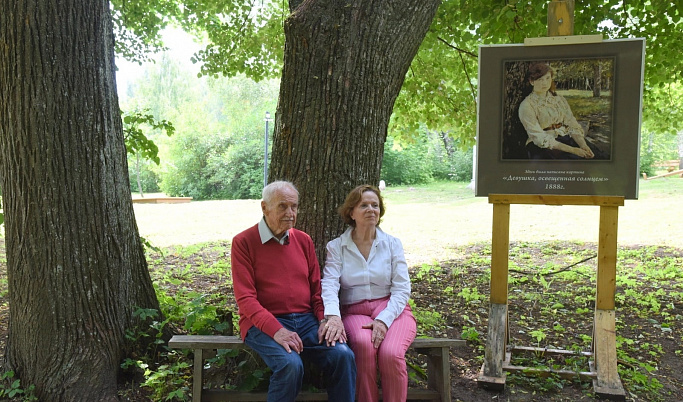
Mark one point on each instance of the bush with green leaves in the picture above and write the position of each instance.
(142, 172)
(240, 168)
(186, 173)
(10, 388)
(431, 156)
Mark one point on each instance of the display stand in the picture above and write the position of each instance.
(603, 366)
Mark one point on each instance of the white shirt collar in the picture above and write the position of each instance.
(267, 234)
(346, 239)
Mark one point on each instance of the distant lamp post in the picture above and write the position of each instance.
(265, 152)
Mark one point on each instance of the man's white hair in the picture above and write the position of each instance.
(274, 187)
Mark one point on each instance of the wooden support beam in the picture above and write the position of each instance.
(500, 244)
(561, 18)
(607, 384)
(551, 199)
(492, 375)
(607, 258)
(197, 380)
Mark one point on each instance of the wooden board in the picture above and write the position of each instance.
(561, 18)
(551, 199)
(605, 343)
(495, 343)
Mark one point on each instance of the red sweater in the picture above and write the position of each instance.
(272, 279)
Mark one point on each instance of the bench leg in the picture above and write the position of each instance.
(197, 372)
(439, 372)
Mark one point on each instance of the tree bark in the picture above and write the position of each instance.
(76, 268)
(344, 65)
(597, 79)
(516, 89)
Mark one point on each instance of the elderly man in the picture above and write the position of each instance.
(276, 278)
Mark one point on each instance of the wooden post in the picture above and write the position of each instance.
(198, 370)
(607, 383)
(492, 375)
(500, 243)
(561, 18)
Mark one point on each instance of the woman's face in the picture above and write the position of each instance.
(542, 84)
(366, 212)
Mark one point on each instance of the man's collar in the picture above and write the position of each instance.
(267, 234)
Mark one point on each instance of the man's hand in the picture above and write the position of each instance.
(289, 340)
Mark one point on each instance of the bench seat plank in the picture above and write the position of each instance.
(235, 342)
(220, 395)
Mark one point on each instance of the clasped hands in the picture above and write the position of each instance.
(332, 331)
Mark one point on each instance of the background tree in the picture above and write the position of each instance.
(343, 68)
(76, 268)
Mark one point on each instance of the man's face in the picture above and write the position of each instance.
(280, 213)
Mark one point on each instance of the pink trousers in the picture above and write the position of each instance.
(390, 357)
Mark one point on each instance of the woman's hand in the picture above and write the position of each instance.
(332, 331)
(582, 153)
(379, 331)
(589, 152)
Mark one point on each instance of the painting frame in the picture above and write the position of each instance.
(508, 159)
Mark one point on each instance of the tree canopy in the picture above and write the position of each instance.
(440, 88)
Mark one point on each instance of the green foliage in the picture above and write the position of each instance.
(406, 165)
(427, 320)
(187, 174)
(11, 388)
(165, 373)
(471, 295)
(135, 123)
(138, 25)
(440, 89)
(433, 156)
(240, 168)
(144, 172)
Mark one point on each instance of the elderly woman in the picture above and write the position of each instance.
(553, 131)
(365, 290)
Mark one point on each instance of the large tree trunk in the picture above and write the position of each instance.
(516, 89)
(344, 66)
(75, 265)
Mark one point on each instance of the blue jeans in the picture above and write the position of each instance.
(337, 362)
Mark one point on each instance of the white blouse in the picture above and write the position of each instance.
(348, 278)
(539, 112)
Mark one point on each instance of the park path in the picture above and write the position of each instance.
(429, 230)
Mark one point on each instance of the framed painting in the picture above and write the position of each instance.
(560, 119)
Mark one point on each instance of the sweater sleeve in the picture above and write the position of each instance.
(244, 286)
(314, 278)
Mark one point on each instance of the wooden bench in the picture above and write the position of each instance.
(436, 350)
(670, 166)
